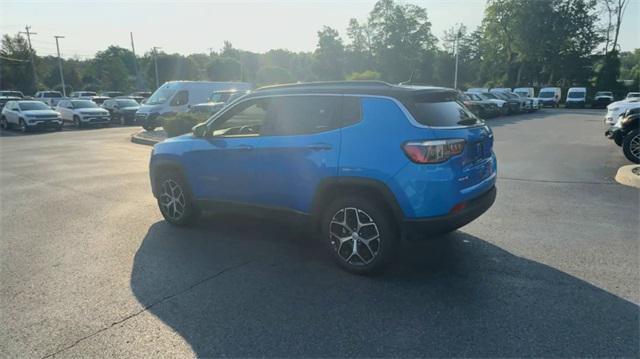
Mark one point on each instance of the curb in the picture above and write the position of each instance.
(143, 141)
(627, 177)
(143, 138)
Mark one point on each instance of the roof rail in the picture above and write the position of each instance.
(328, 83)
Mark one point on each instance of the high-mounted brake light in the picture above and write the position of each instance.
(433, 151)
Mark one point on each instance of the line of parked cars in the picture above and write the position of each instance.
(488, 103)
(87, 108)
(50, 110)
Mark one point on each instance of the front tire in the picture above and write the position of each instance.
(174, 199)
(23, 126)
(360, 234)
(631, 146)
(77, 122)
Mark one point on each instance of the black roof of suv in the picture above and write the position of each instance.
(375, 88)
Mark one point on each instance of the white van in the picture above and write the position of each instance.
(576, 97)
(550, 96)
(524, 91)
(177, 97)
(478, 89)
(500, 89)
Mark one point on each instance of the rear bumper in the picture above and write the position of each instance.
(421, 228)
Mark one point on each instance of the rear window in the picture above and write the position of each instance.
(441, 111)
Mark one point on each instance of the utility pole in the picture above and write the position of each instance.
(64, 89)
(155, 60)
(457, 44)
(135, 63)
(33, 63)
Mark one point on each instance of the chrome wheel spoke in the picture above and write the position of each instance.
(354, 227)
(172, 200)
(634, 146)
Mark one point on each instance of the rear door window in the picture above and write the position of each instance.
(351, 110)
(298, 115)
(441, 111)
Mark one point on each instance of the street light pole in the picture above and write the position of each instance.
(455, 74)
(135, 64)
(155, 60)
(64, 89)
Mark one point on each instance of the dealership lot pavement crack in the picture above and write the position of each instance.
(191, 287)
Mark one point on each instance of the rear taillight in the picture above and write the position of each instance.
(433, 151)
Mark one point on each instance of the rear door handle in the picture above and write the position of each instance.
(244, 147)
(319, 146)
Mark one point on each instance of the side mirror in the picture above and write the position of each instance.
(200, 130)
(115, 106)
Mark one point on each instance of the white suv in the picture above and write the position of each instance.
(83, 112)
(615, 109)
(28, 115)
(50, 98)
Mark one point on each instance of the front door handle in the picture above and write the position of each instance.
(319, 146)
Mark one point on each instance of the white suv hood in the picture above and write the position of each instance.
(51, 113)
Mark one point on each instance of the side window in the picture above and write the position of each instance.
(351, 110)
(108, 104)
(298, 115)
(181, 98)
(244, 119)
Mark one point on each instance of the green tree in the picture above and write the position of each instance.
(270, 75)
(401, 37)
(171, 67)
(329, 55)
(224, 69)
(15, 64)
(364, 75)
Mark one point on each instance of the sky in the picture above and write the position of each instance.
(196, 26)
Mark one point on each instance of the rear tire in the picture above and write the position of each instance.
(367, 224)
(4, 123)
(175, 200)
(631, 146)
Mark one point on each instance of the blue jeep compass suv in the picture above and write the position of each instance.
(368, 163)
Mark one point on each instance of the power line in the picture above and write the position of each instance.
(33, 64)
(12, 59)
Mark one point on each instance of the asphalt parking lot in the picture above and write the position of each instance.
(90, 269)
